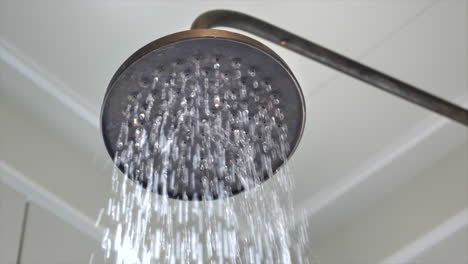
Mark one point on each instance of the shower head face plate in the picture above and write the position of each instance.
(189, 97)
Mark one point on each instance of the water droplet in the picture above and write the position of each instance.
(226, 76)
(243, 93)
(119, 145)
(136, 122)
(255, 84)
(265, 147)
(142, 116)
(216, 66)
(236, 63)
(252, 72)
(216, 101)
(238, 74)
(276, 101)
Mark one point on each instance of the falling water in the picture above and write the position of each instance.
(192, 138)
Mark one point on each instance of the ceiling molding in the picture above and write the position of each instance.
(408, 253)
(37, 195)
(387, 166)
(48, 83)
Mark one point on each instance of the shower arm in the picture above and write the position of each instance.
(226, 18)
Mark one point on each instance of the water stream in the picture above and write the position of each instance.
(195, 146)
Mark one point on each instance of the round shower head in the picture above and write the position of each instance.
(183, 113)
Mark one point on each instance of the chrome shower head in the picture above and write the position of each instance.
(174, 95)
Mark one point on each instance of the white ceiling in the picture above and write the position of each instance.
(360, 146)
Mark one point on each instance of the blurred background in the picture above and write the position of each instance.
(379, 180)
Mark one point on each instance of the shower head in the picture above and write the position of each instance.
(170, 98)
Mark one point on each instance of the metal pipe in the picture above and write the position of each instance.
(226, 18)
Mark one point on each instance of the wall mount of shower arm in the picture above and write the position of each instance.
(227, 18)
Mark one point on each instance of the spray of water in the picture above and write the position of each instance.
(192, 138)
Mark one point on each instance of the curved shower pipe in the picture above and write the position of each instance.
(226, 18)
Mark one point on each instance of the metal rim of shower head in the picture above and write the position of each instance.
(110, 116)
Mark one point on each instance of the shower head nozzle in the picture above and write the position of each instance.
(183, 102)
